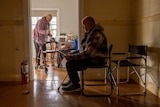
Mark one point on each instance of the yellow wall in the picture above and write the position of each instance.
(131, 21)
(116, 18)
(11, 40)
(147, 31)
(124, 21)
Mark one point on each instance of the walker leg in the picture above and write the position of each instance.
(46, 70)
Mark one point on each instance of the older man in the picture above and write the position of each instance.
(40, 32)
(92, 51)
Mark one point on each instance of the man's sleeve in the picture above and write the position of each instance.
(90, 50)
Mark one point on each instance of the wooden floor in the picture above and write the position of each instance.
(43, 93)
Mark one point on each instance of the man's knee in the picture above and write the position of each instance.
(68, 64)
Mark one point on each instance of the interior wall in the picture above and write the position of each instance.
(117, 23)
(12, 40)
(116, 18)
(147, 31)
(15, 32)
(69, 13)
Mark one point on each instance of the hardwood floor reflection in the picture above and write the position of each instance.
(43, 93)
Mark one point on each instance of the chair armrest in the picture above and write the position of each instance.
(119, 53)
(107, 57)
(74, 52)
(134, 57)
(119, 56)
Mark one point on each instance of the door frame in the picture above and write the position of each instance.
(28, 36)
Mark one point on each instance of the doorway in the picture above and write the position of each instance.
(67, 19)
(37, 14)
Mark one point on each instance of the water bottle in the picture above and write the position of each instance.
(76, 44)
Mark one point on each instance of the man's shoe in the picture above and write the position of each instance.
(72, 87)
(66, 83)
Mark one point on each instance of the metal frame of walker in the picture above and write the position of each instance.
(41, 52)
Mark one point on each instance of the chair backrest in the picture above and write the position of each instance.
(107, 59)
(138, 49)
(109, 47)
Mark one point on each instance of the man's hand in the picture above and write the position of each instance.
(67, 56)
(48, 32)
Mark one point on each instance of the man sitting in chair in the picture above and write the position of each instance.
(93, 50)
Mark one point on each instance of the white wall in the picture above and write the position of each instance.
(69, 19)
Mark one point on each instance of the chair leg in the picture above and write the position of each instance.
(134, 71)
(117, 88)
(101, 95)
(143, 81)
(128, 68)
(116, 82)
(82, 76)
(113, 79)
(137, 74)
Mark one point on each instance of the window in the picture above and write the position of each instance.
(53, 24)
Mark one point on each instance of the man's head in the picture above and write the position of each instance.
(49, 18)
(88, 23)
